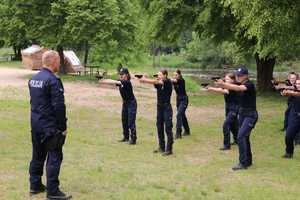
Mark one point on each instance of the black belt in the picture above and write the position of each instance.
(164, 104)
(247, 111)
(129, 101)
(232, 107)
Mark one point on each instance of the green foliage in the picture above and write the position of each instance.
(108, 27)
(12, 26)
(208, 54)
(5, 52)
(269, 28)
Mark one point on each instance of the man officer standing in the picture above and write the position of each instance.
(247, 114)
(48, 127)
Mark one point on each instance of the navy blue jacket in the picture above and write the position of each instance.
(48, 110)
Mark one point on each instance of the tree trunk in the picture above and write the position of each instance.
(19, 55)
(158, 54)
(153, 55)
(15, 51)
(60, 50)
(265, 68)
(86, 53)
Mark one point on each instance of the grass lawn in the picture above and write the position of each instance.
(11, 64)
(96, 166)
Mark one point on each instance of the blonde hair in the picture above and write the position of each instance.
(47, 58)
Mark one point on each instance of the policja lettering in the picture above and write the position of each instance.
(36, 83)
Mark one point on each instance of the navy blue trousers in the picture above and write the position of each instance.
(286, 117)
(247, 122)
(129, 110)
(181, 120)
(286, 122)
(230, 125)
(164, 123)
(292, 130)
(53, 162)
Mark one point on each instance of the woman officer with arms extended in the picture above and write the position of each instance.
(129, 107)
(163, 86)
(182, 102)
(231, 111)
(247, 115)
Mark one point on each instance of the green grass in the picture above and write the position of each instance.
(11, 64)
(97, 167)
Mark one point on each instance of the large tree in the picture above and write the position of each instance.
(109, 25)
(12, 27)
(268, 29)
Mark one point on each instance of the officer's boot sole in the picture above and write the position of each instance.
(59, 198)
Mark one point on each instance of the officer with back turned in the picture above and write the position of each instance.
(48, 127)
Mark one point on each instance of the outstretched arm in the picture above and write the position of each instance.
(150, 81)
(217, 90)
(230, 86)
(110, 82)
(290, 93)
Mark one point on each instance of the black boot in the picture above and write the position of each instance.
(224, 148)
(186, 133)
(288, 156)
(178, 134)
(167, 153)
(239, 167)
(59, 195)
(124, 140)
(159, 150)
(169, 150)
(132, 142)
(40, 189)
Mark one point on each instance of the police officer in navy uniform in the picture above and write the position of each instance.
(290, 82)
(293, 126)
(129, 108)
(48, 127)
(164, 88)
(247, 115)
(182, 102)
(231, 111)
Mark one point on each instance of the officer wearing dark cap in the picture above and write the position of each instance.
(164, 88)
(293, 124)
(48, 127)
(247, 115)
(129, 107)
(182, 102)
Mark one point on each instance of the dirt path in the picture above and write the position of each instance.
(108, 99)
